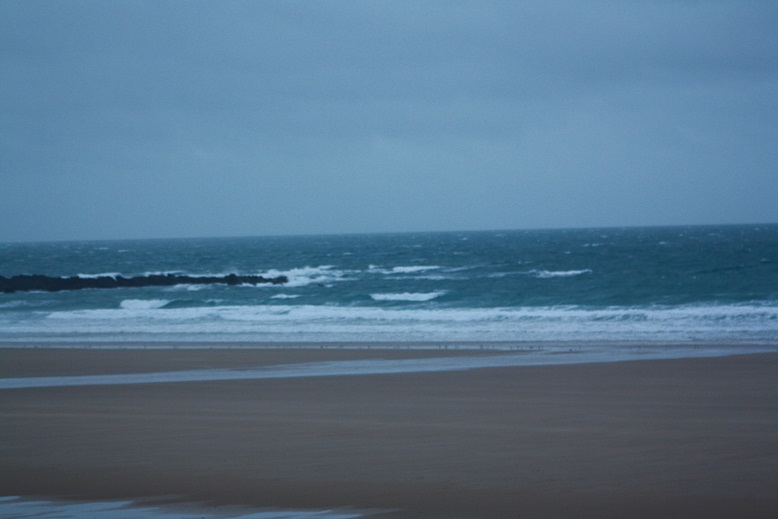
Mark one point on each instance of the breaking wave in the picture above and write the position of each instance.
(413, 269)
(150, 319)
(143, 304)
(407, 296)
(303, 276)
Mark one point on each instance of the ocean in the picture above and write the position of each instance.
(663, 285)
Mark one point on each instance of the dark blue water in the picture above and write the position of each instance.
(675, 284)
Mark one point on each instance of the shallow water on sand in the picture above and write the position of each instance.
(19, 507)
(542, 357)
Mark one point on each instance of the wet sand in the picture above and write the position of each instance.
(670, 438)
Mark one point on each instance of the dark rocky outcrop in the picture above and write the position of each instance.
(27, 283)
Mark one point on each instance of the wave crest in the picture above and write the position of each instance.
(143, 304)
(407, 296)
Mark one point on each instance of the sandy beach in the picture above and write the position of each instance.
(655, 438)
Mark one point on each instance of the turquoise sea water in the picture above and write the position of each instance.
(658, 285)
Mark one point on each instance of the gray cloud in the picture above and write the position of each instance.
(181, 118)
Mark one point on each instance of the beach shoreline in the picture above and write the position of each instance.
(672, 438)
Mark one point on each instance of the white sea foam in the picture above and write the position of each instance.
(545, 274)
(285, 296)
(407, 296)
(303, 276)
(183, 288)
(413, 269)
(147, 321)
(410, 269)
(143, 304)
(103, 275)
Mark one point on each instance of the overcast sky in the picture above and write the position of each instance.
(132, 119)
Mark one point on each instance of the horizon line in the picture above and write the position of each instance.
(366, 233)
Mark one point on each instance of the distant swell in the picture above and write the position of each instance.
(55, 284)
